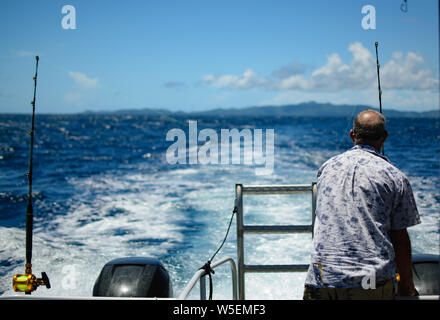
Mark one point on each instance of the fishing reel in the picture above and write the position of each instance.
(29, 282)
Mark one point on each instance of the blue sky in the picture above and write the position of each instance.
(198, 55)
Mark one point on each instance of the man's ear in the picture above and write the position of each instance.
(352, 135)
(385, 136)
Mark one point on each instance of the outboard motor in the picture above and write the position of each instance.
(426, 274)
(133, 277)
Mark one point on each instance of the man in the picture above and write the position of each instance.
(364, 205)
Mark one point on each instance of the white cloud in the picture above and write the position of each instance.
(403, 72)
(407, 73)
(249, 79)
(295, 82)
(83, 80)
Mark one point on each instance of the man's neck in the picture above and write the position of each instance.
(375, 146)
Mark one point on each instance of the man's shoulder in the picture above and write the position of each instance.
(367, 157)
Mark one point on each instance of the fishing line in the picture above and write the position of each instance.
(207, 265)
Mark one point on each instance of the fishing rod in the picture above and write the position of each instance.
(378, 87)
(28, 282)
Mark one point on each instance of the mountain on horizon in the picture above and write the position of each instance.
(306, 109)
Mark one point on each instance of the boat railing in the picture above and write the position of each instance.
(201, 274)
(240, 190)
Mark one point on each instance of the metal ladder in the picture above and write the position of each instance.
(240, 190)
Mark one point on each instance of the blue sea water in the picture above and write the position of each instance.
(103, 190)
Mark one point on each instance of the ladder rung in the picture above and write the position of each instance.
(278, 229)
(275, 189)
(276, 268)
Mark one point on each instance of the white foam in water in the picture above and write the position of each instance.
(425, 236)
(182, 216)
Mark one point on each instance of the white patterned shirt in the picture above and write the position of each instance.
(361, 198)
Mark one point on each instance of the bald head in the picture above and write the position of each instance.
(369, 128)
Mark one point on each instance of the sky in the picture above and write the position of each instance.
(200, 55)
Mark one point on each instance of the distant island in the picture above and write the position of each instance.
(306, 109)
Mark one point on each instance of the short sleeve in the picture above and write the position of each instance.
(405, 213)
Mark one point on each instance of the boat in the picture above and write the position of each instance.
(146, 278)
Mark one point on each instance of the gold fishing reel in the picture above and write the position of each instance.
(28, 282)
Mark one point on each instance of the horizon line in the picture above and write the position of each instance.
(219, 108)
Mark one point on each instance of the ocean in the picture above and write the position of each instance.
(104, 188)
